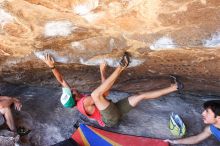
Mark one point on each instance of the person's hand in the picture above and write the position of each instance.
(170, 141)
(49, 60)
(17, 104)
(103, 66)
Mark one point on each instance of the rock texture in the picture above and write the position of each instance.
(51, 123)
(164, 37)
(8, 138)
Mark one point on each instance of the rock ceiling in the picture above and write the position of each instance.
(164, 36)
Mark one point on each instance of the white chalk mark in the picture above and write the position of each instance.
(85, 8)
(113, 62)
(78, 46)
(163, 44)
(55, 55)
(58, 28)
(214, 41)
(5, 18)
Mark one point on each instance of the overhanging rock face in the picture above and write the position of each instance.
(163, 37)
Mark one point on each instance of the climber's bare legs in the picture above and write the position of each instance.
(9, 118)
(134, 100)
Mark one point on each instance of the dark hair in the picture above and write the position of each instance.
(214, 105)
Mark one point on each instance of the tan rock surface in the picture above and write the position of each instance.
(164, 37)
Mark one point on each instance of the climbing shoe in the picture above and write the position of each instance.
(23, 131)
(175, 80)
(125, 60)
